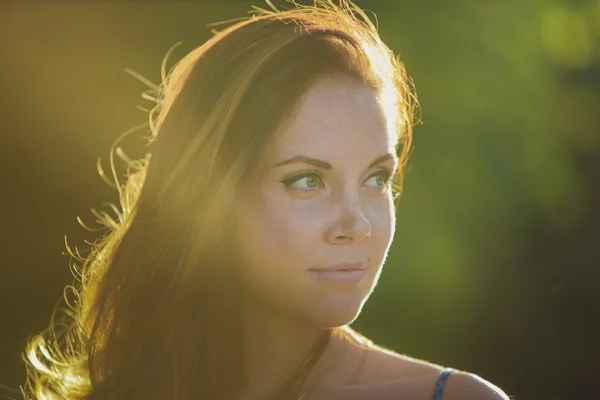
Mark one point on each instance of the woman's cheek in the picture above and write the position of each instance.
(383, 220)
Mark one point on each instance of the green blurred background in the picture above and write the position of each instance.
(495, 266)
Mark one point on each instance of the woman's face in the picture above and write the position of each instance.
(323, 200)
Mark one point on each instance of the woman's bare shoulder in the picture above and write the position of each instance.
(386, 374)
(384, 365)
(419, 376)
(467, 386)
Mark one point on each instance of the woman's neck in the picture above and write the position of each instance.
(275, 345)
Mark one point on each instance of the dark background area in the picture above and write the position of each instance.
(495, 265)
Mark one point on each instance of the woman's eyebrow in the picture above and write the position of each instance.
(325, 165)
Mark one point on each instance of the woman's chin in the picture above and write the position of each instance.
(333, 315)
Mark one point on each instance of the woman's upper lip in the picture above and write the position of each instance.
(343, 266)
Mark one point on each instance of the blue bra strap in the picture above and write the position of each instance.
(441, 383)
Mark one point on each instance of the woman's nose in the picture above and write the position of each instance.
(351, 224)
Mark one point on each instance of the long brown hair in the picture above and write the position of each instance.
(156, 312)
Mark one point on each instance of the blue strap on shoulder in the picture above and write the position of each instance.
(441, 383)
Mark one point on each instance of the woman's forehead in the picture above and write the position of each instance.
(335, 112)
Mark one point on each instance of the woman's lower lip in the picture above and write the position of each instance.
(344, 276)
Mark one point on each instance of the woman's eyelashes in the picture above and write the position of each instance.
(304, 182)
(311, 181)
(384, 179)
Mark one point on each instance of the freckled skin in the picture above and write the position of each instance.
(344, 214)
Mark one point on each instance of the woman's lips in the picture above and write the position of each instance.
(340, 275)
(353, 272)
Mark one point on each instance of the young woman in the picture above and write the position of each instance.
(254, 231)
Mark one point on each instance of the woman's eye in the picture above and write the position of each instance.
(304, 182)
(312, 181)
(381, 179)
